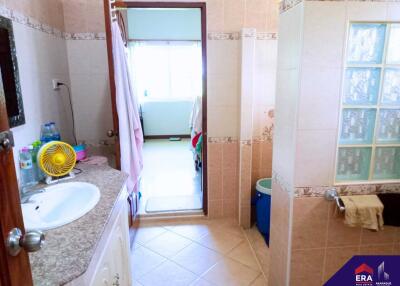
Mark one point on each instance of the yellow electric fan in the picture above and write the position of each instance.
(57, 160)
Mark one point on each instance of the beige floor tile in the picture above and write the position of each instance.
(223, 242)
(243, 254)
(202, 282)
(168, 244)
(260, 281)
(196, 258)
(226, 225)
(143, 261)
(260, 248)
(253, 234)
(232, 273)
(191, 231)
(168, 274)
(145, 234)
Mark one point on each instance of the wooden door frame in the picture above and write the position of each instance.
(138, 4)
(15, 270)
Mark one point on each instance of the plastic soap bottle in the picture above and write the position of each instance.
(27, 173)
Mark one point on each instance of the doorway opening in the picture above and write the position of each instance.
(167, 58)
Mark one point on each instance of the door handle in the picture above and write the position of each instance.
(6, 140)
(112, 133)
(31, 241)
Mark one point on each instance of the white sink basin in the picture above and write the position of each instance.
(59, 205)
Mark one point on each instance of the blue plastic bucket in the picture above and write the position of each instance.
(263, 206)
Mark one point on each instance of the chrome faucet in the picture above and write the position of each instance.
(25, 196)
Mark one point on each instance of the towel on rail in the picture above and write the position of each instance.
(363, 211)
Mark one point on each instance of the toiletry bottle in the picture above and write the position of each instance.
(45, 133)
(55, 133)
(26, 168)
(39, 175)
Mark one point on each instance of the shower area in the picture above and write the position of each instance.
(337, 128)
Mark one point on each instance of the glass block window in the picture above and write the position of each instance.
(369, 135)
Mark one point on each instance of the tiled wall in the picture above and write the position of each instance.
(310, 64)
(258, 70)
(321, 243)
(279, 234)
(222, 15)
(90, 89)
(84, 16)
(284, 144)
(263, 109)
(48, 12)
(41, 56)
(223, 178)
(82, 22)
(261, 161)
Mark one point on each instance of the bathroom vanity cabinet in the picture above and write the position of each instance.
(93, 250)
(110, 264)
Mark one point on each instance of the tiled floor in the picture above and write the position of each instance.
(169, 178)
(195, 252)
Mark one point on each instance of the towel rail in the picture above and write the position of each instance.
(332, 195)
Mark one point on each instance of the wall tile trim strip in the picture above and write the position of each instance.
(35, 24)
(285, 5)
(29, 21)
(18, 17)
(218, 36)
(228, 139)
(347, 190)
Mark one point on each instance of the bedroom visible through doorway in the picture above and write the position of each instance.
(166, 52)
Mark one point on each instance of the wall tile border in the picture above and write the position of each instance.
(33, 23)
(85, 36)
(235, 36)
(285, 5)
(30, 22)
(228, 139)
(225, 140)
(266, 36)
(319, 191)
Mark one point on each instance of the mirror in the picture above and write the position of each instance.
(10, 75)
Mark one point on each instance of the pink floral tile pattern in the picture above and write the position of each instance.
(285, 5)
(278, 179)
(268, 129)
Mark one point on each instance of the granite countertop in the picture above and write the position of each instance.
(69, 248)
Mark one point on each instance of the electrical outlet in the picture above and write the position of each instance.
(56, 84)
